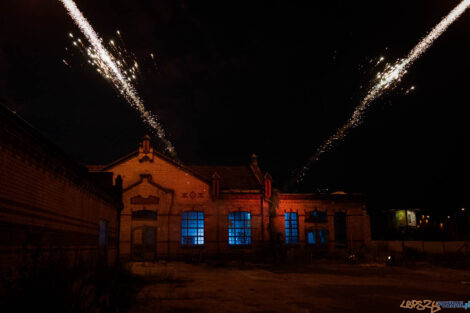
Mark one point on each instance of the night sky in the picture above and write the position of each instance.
(274, 78)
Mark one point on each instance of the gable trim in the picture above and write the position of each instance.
(148, 177)
(161, 156)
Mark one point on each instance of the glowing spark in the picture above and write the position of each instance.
(109, 69)
(380, 60)
(410, 90)
(386, 81)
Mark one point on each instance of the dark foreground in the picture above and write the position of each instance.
(319, 287)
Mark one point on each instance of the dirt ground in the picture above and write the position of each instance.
(320, 287)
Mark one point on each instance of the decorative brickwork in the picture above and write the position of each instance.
(216, 191)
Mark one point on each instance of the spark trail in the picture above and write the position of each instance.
(112, 71)
(386, 80)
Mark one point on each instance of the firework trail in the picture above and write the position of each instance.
(386, 80)
(112, 70)
(125, 61)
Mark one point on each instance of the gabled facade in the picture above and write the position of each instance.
(173, 210)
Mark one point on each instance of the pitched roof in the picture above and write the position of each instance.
(231, 177)
(234, 178)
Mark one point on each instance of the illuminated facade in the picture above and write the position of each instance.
(174, 210)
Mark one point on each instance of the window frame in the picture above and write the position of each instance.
(317, 231)
(291, 228)
(187, 228)
(311, 218)
(103, 234)
(246, 229)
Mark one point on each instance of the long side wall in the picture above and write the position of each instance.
(45, 203)
(431, 247)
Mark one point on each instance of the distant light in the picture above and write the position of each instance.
(463, 209)
(448, 216)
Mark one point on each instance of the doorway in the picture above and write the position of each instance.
(144, 243)
(340, 228)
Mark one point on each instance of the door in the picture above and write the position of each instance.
(340, 228)
(144, 243)
(149, 240)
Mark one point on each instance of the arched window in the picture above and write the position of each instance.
(192, 228)
(239, 229)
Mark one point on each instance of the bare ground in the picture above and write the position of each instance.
(320, 287)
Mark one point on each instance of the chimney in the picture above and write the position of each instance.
(215, 186)
(254, 160)
(118, 184)
(255, 168)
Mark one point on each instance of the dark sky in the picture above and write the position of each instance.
(273, 78)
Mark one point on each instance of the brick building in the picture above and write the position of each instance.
(175, 210)
(50, 203)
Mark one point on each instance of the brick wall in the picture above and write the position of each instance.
(46, 200)
(148, 176)
(357, 220)
(177, 191)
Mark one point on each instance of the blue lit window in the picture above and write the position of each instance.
(192, 228)
(319, 236)
(292, 230)
(239, 228)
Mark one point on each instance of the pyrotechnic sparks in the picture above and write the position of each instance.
(114, 69)
(385, 81)
(125, 61)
